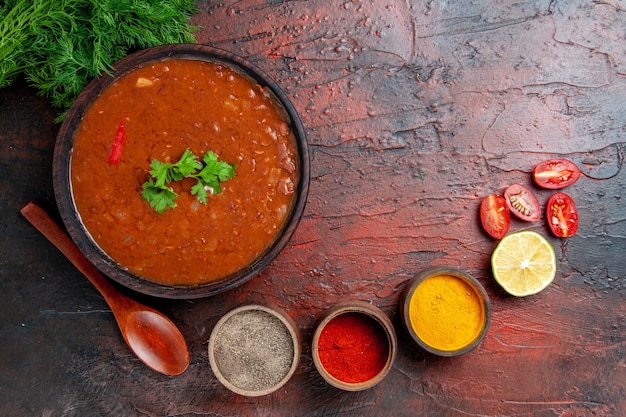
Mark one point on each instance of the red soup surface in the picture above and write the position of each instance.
(166, 107)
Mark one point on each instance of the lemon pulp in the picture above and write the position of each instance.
(524, 263)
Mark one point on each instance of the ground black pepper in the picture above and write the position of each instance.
(253, 350)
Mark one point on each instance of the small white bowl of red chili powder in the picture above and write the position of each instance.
(354, 346)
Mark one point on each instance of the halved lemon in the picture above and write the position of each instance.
(523, 263)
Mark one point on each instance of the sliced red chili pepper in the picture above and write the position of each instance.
(118, 144)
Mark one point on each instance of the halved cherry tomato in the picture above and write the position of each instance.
(495, 215)
(562, 215)
(555, 174)
(522, 202)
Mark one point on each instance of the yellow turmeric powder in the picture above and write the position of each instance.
(446, 312)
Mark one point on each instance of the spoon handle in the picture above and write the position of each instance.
(155, 340)
(42, 221)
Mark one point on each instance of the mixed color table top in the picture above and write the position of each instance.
(414, 112)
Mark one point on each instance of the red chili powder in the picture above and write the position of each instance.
(353, 347)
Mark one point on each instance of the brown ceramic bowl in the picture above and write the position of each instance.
(63, 186)
(254, 350)
(377, 321)
(419, 325)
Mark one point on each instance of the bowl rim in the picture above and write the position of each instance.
(409, 291)
(289, 324)
(366, 309)
(62, 182)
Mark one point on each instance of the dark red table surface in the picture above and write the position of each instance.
(414, 111)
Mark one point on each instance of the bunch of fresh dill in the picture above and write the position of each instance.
(61, 45)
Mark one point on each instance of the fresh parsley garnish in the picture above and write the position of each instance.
(160, 197)
(208, 175)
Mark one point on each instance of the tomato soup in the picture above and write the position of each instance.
(166, 107)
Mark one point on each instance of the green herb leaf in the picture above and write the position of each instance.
(160, 197)
(208, 178)
(222, 170)
(165, 173)
(186, 165)
(199, 191)
(214, 172)
(59, 46)
(161, 172)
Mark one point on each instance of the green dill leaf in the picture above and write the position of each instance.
(61, 45)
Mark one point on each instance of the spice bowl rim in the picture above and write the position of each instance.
(373, 312)
(289, 324)
(422, 276)
(62, 183)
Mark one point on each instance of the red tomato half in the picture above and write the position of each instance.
(495, 215)
(562, 215)
(556, 173)
(522, 202)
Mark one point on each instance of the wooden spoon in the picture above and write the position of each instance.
(156, 341)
